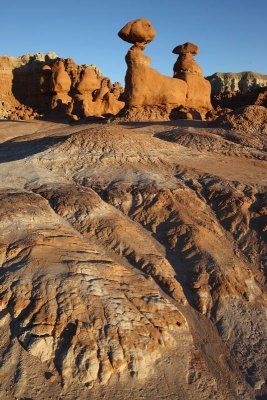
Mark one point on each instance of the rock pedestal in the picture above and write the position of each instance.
(144, 86)
(187, 69)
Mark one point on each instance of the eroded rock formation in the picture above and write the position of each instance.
(132, 261)
(144, 86)
(243, 82)
(37, 85)
(186, 68)
(147, 91)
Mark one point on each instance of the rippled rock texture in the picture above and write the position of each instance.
(132, 261)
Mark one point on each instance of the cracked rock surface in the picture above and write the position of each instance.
(131, 262)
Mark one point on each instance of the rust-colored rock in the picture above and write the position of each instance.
(60, 85)
(45, 84)
(138, 31)
(144, 86)
(186, 48)
(187, 69)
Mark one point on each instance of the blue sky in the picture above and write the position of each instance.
(232, 35)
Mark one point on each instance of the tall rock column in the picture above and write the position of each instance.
(187, 69)
(60, 86)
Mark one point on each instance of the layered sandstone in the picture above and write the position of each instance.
(243, 82)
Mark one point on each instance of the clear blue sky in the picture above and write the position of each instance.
(231, 34)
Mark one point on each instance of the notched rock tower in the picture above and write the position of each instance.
(150, 94)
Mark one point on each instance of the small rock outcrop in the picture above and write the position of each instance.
(251, 119)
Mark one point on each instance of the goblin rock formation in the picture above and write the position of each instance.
(147, 88)
(187, 69)
(35, 85)
(144, 86)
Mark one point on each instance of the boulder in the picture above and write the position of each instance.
(137, 31)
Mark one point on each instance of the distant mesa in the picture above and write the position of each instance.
(242, 82)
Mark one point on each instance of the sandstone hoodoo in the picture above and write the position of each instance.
(132, 255)
(46, 85)
(187, 69)
(144, 86)
(147, 90)
(60, 85)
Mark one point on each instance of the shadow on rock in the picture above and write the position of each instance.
(12, 150)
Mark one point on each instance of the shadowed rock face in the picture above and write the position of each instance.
(132, 261)
(46, 85)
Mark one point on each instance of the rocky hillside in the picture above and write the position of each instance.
(132, 260)
(243, 82)
(37, 85)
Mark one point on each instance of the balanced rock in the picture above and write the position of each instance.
(186, 48)
(138, 31)
(187, 69)
(144, 86)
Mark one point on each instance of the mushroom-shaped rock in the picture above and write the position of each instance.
(138, 31)
(185, 61)
(186, 48)
(144, 86)
(187, 69)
